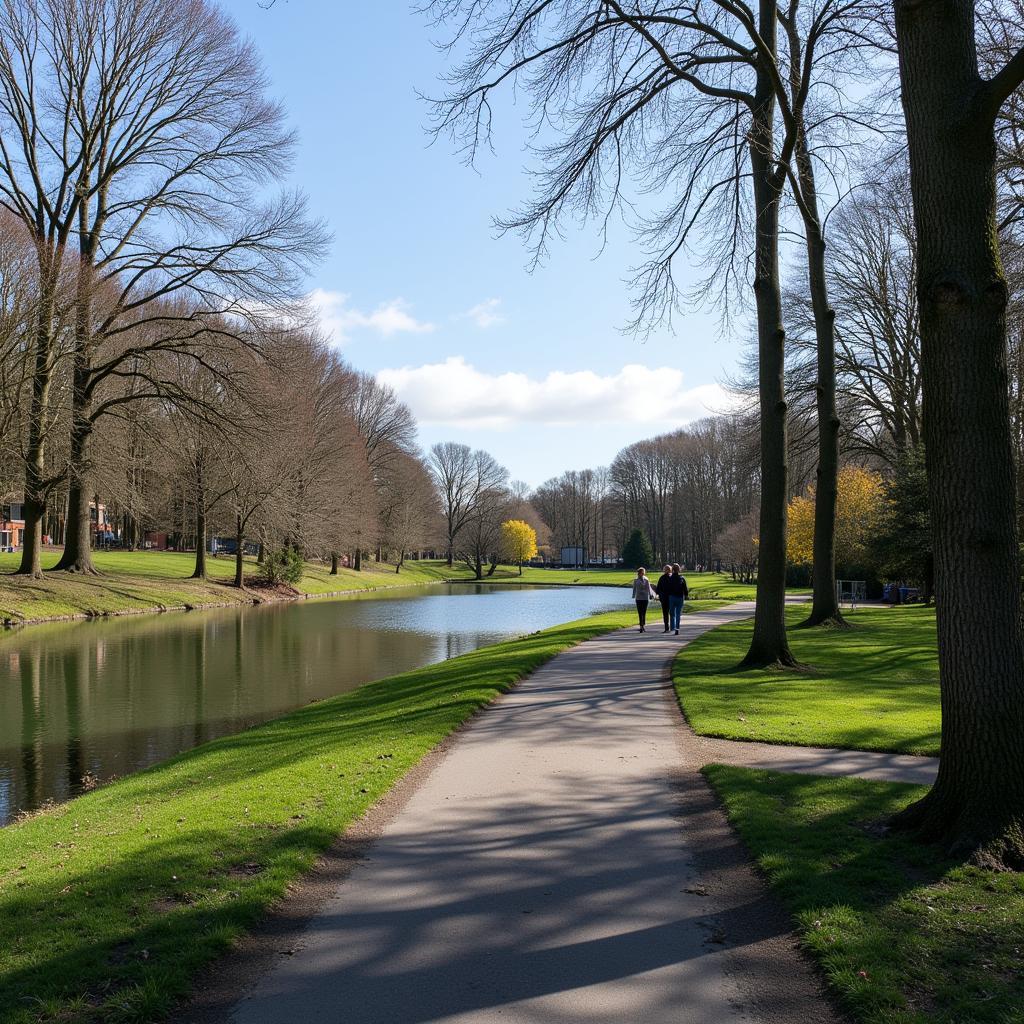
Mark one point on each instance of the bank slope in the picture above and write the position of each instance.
(109, 904)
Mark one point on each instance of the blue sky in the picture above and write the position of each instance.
(419, 290)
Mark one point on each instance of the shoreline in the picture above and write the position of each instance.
(250, 599)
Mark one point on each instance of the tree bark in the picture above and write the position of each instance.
(239, 541)
(199, 572)
(77, 556)
(334, 563)
(769, 645)
(35, 455)
(976, 807)
(825, 603)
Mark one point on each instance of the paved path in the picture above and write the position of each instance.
(563, 863)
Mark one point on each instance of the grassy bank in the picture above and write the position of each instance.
(902, 937)
(703, 585)
(141, 581)
(110, 903)
(873, 687)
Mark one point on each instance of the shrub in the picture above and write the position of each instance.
(282, 566)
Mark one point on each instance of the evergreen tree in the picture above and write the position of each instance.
(637, 551)
(903, 541)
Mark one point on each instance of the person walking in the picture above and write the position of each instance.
(643, 593)
(678, 592)
(662, 590)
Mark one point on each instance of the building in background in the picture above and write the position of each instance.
(12, 525)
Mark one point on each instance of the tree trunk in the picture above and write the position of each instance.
(976, 807)
(32, 535)
(77, 555)
(199, 572)
(239, 557)
(34, 506)
(357, 562)
(769, 645)
(825, 604)
(334, 563)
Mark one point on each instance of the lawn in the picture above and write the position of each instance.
(154, 580)
(110, 903)
(902, 936)
(872, 687)
(703, 585)
(137, 581)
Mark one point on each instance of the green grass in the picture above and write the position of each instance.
(154, 580)
(110, 903)
(901, 936)
(703, 585)
(139, 581)
(873, 687)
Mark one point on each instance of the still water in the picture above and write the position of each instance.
(82, 702)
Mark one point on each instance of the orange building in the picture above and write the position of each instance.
(12, 524)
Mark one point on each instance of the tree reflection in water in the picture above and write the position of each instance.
(85, 701)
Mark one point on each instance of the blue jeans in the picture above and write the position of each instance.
(675, 609)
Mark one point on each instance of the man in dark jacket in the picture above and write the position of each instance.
(661, 588)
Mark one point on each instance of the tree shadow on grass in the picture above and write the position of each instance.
(902, 931)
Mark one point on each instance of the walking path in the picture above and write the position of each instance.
(564, 862)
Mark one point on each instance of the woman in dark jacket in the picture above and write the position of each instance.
(678, 592)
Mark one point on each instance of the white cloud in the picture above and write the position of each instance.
(339, 320)
(484, 314)
(455, 392)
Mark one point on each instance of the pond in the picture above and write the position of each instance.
(83, 702)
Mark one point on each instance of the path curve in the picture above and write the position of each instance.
(564, 862)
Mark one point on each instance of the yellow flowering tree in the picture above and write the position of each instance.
(861, 501)
(518, 541)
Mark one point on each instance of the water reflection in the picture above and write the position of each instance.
(85, 701)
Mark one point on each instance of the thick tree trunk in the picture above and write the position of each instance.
(769, 645)
(32, 535)
(825, 603)
(35, 455)
(77, 555)
(976, 807)
(334, 563)
(357, 562)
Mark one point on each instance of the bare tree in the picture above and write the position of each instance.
(686, 97)
(871, 268)
(136, 137)
(462, 477)
(410, 512)
(975, 806)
